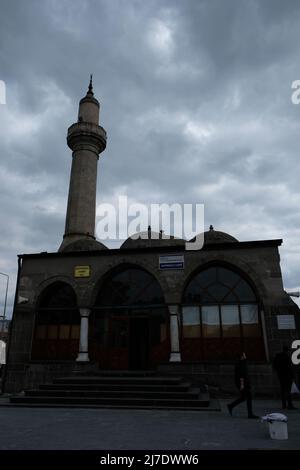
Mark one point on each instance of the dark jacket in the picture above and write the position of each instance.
(283, 365)
(241, 372)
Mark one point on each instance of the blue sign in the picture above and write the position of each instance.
(171, 262)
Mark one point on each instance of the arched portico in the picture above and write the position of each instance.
(129, 321)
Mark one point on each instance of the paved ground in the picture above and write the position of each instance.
(100, 429)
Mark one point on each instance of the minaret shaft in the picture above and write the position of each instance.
(81, 211)
(87, 140)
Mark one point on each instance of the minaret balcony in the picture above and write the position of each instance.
(86, 135)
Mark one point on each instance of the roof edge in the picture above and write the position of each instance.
(158, 249)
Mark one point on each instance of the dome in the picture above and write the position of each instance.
(149, 239)
(212, 237)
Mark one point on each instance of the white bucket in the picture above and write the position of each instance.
(278, 430)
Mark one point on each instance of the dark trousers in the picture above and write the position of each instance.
(245, 395)
(285, 390)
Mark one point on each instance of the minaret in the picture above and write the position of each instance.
(87, 140)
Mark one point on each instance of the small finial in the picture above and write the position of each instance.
(90, 90)
(211, 227)
(149, 228)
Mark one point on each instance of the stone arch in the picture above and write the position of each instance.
(51, 280)
(101, 275)
(56, 322)
(233, 263)
(129, 321)
(235, 314)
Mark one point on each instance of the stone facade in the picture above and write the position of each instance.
(258, 260)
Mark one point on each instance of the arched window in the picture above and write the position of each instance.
(220, 309)
(57, 325)
(131, 286)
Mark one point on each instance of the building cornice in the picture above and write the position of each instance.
(157, 249)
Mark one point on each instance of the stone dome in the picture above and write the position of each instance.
(212, 237)
(149, 239)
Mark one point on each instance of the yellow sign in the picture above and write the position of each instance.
(82, 271)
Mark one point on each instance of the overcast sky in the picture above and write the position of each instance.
(196, 100)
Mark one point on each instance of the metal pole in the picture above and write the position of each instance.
(5, 303)
(4, 375)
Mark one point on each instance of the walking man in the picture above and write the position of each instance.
(243, 385)
(284, 367)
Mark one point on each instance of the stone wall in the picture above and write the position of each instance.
(261, 263)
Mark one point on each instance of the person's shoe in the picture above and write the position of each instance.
(292, 407)
(253, 417)
(229, 409)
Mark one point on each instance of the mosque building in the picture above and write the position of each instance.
(150, 305)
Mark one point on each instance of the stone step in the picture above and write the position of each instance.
(123, 373)
(113, 402)
(156, 380)
(113, 390)
(183, 386)
(192, 393)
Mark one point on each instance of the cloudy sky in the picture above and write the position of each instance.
(196, 100)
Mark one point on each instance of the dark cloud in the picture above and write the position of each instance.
(195, 97)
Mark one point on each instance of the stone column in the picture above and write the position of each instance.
(83, 355)
(265, 338)
(175, 355)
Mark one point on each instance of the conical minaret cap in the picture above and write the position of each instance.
(89, 106)
(90, 88)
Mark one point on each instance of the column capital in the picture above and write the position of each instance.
(173, 309)
(84, 312)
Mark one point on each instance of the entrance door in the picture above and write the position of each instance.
(136, 340)
(118, 349)
(139, 343)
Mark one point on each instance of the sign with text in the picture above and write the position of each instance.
(82, 271)
(171, 262)
(286, 322)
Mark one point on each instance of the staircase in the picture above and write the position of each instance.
(124, 389)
